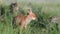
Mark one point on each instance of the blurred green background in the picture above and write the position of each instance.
(44, 24)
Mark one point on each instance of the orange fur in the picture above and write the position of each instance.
(23, 21)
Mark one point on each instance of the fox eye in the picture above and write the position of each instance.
(27, 13)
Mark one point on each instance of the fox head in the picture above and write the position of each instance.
(31, 14)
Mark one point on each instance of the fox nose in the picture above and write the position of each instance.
(34, 18)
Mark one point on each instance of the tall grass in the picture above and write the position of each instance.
(42, 25)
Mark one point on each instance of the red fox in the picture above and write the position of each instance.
(23, 21)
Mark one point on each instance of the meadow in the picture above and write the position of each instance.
(42, 25)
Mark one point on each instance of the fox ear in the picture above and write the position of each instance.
(29, 10)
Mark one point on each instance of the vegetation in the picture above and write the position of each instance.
(42, 25)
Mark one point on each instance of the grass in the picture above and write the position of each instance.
(39, 26)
